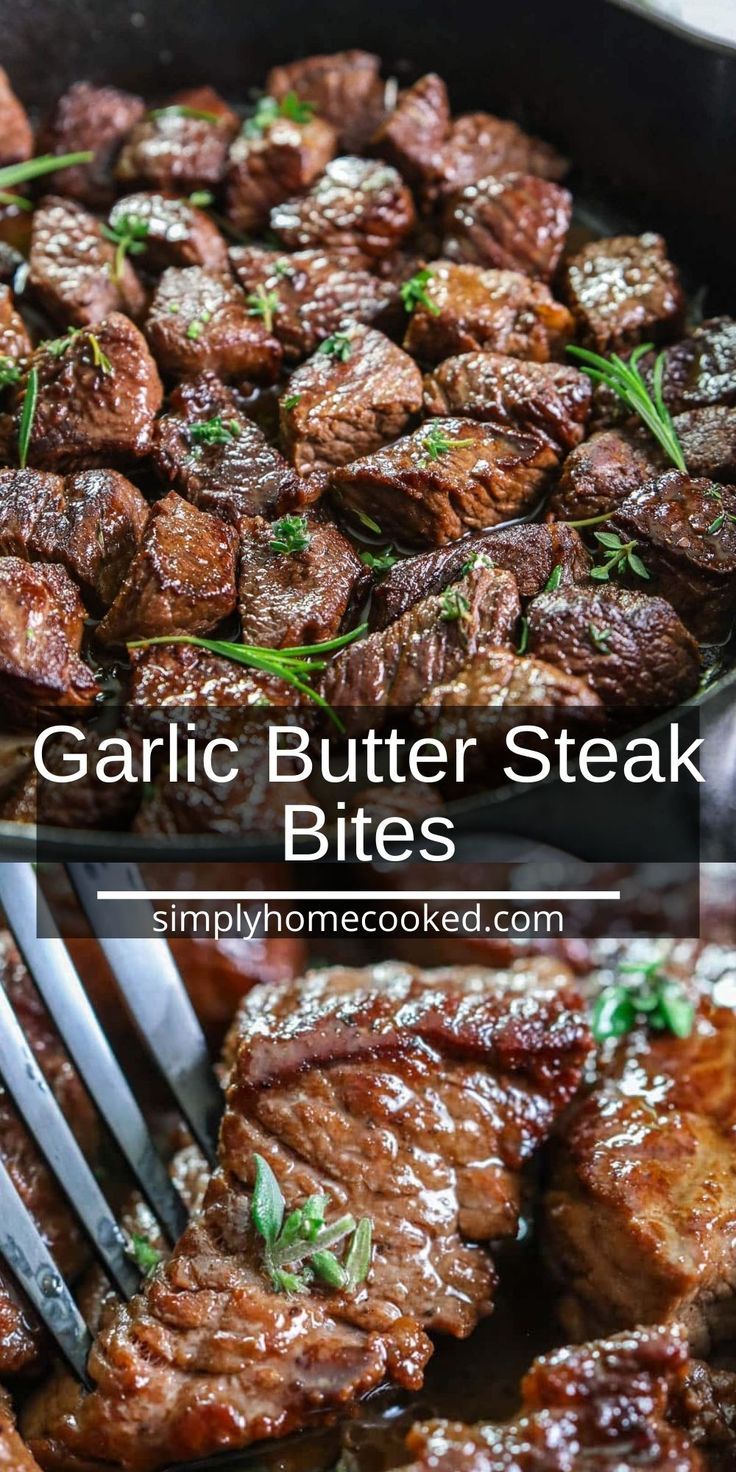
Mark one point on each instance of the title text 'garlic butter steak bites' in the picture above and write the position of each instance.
(410, 1098)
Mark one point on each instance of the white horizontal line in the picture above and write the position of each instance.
(347, 896)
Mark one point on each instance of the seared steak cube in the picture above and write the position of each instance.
(446, 478)
(41, 625)
(313, 293)
(91, 523)
(215, 691)
(708, 440)
(358, 392)
(358, 204)
(202, 320)
(16, 134)
(210, 452)
(180, 147)
(90, 118)
(297, 589)
(177, 233)
(623, 291)
(601, 472)
(701, 369)
(181, 579)
(270, 163)
(470, 309)
(533, 552)
(345, 88)
(685, 531)
(480, 144)
(631, 648)
(411, 136)
(73, 271)
(98, 395)
(516, 222)
(549, 399)
(14, 339)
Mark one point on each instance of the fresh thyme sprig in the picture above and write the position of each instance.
(380, 562)
(338, 346)
(295, 665)
(554, 579)
(144, 1254)
(435, 443)
(128, 234)
(291, 535)
(265, 304)
(35, 168)
(453, 606)
(625, 380)
(622, 557)
(27, 416)
(214, 431)
(414, 292)
(58, 346)
(599, 639)
(655, 999)
(298, 1250)
(476, 559)
(10, 371)
(268, 110)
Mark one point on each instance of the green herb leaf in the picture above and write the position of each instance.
(654, 999)
(291, 401)
(16, 201)
(678, 1012)
(523, 643)
(201, 198)
(214, 431)
(414, 293)
(181, 110)
(265, 304)
(600, 637)
(143, 1252)
(129, 235)
(292, 535)
(435, 443)
(476, 559)
(380, 562)
(625, 380)
(358, 1259)
(337, 346)
(453, 605)
(267, 111)
(554, 579)
(327, 1268)
(613, 1014)
(35, 168)
(10, 371)
(27, 416)
(267, 1203)
(622, 558)
(367, 521)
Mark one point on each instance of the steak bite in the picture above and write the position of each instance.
(358, 392)
(551, 400)
(601, 472)
(449, 477)
(14, 1454)
(469, 309)
(270, 162)
(201, 320)
(180, 147)
(91, 522)
(364, 1086)
(175, 232)
(73, 272)
(516, 222)
(90, 118)
(532, 552)
(181, 579)
(429, 644)
(631, 648)
(344, 88)
(701, 369)
(300, 596)
(685, 530)
(41, 626)
(358, 204)
(623, 291)
(611, 1403)
(411, 136)
(313, 294)
(210, 688)
(16, 133)
(98, 395)
(208, 450)
(480, 144)
(639, 1208)
(14, 339)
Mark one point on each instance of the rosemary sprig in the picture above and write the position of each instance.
(291, 535)
(625, 380)
(35, 168)
(295, 665)
(435, 443)
(18, 200)
(655, 999)
(268, 110)
(27, 416)
(414, 293)
(265, 304)
(128, 235)
(622, 557)
(523, 643)
(298, 1249)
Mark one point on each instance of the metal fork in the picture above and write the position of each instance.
(155, 997)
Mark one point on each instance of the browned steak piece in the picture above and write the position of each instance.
(516, 222)
(549, 399)
(584, 1409)
(427, 645)
(16, 134)
(480, 144)
(301, 596)
(708, 439)
(73, 273)
(14, 339)
(640, 1203)
(706, 1408)
(214, 690)
(181, 579)
(41, 625)
(358, 204)
(685, 532)
(313, 293)
(532, 552)
(201, 320)
(622, 291)
(412, 135)
(94, 118)
(91, 523)
(177, 233)
(701, 369)
(631, 648)
(365, 1086)
(98, 395)
(175, 149)
(603, 471)
(345, 88)
(357, 393)
(471, 309)
(209, 451)
(14, 1454)
(270, 163)
(423, 495)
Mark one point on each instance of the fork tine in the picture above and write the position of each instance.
(149, 980)
(54, 974)
(35, 1102)
(33, 1267)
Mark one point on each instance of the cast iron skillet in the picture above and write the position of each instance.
(647, 113)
